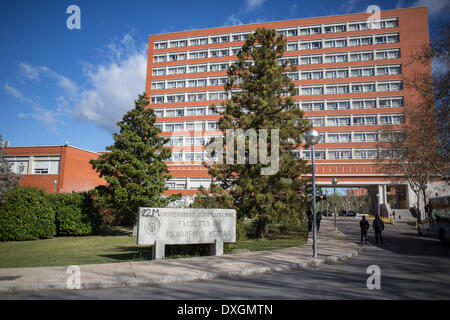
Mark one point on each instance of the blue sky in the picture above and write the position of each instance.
(59, 85)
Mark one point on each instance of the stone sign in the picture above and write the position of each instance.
(161, 226)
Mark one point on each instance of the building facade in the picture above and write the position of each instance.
(349, 80)
(55, 169)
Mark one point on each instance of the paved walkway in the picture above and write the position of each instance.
(331, 247)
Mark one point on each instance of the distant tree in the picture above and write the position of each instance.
(262, 99)
(8, 179)
(134, 169)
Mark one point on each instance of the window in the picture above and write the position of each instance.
(161, 58)
(312, 75)
(387, 39)
(338, 105)
(388, 54)
(388, 70)
(392, 119)
(46, 165)
(176, 84)
(317, 122)
(198, 41)
(287, 61)
(293, 76)
(335, 28)
(362, 72)
(198, 68)
(389, 23)
(174, 112)
(361, 41)
(337, 89)
(177, 56)
(310, 30)
(240, 37)
(159, 112)
(318, 154)
(336, 58)
(177, 43)
(288, 32)
(292, 46)
(158, 85)
(365, 154)
(364, 104)
(312, 106)
(159, 72)
(197, 183)
(332, 74)
(218, 96)
(311, 45)
(175, 98)
(364, 120)
(198, 55)
(18, 165)
(390, 86)
(220, 39)
(157, 99)
(177, 70)
(365, 137)
(196, 83)
(160, 45)
(219, 67)
(200, 111)
(196, 96)
(217, 81)
(338, 121)
(339, 154)
(219, 53)
(311, 60)
(339, 137)
(311, 90)
(195, 126)
(391, 102)
(358, 26)
(339, 43)
(366, 87)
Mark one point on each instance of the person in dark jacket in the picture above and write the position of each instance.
(309, 216)
(318, 219)
(378, 227)
(364, 225)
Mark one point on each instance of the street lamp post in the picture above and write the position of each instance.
(312, 137)
(326, 200)
(334, 182)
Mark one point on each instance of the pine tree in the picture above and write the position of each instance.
(8, 179)
(262, 98)
(134, 169)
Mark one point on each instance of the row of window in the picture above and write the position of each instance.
(340, 57)
(183, 183)
(187, 111)
(293, 46)
(287, 32)
(339, 88)
(367, 103)
(343, 42)
(325, 137)
(304, 75)
(324, 154)
(318, 89)
(365, 71)
(304, 60)
(356, 120)
(187, 126)
(39, 164)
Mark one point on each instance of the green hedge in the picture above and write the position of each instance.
(75, 214)
(26, 214)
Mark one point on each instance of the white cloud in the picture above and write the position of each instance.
(435, 7)
(233, 20)
(294, 8)
(108, 92)
(251, 5)
(47, 117)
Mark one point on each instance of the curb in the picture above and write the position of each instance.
(173, 279)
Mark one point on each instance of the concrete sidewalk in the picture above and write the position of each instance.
(331, 247)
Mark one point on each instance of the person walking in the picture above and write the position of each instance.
(364, 225)
(378, 227)
(310, 219)
(318, 219)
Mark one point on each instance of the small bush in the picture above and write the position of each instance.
(75, 214)
(26, 214)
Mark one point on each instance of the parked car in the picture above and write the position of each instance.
(351, 213)
(423, 228)
(342, 213)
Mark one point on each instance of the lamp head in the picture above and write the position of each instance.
(334, 181)
(312, 137)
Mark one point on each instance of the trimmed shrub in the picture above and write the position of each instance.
(26, 214)
(75, 214)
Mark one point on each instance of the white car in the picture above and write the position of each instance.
(423, 228)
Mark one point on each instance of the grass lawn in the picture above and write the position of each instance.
(118, 245)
